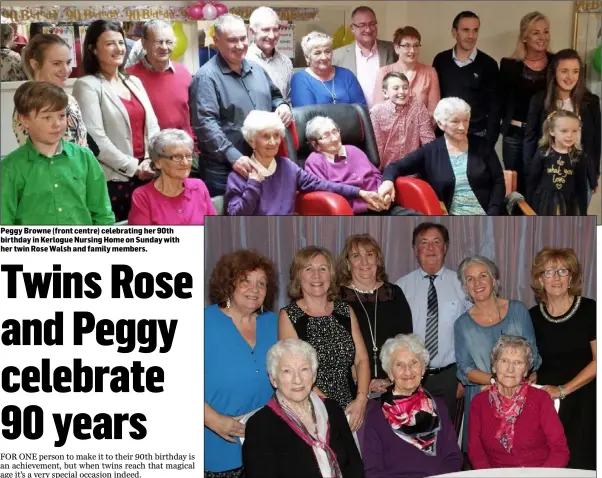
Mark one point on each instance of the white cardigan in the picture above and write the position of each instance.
(108, 123)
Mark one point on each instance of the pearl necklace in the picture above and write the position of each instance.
(369, 291)
(554, 320)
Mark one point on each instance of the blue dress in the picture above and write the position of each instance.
(474, 342)
(343, 88)
(236, 378)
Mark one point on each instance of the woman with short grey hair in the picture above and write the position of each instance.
(463, 170)
(409, 422)
(322, 82)
(298, 434)
(272, 185)
(172, 198)
(512, 424)
(477, 330)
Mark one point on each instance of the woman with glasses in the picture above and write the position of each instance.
(117, 113)
(322, 82)
(477, 330)
(565, 331)
(344, 164)
(512, 424)
(172, 198)
(464, 171)
(423, 79)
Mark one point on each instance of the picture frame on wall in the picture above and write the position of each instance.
(587, 37)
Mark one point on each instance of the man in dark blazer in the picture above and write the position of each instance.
(366, 54)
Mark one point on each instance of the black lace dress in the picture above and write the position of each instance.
(331, 337)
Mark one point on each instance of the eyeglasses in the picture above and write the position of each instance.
(177, 158)
(549, 273)
(505, 363)
(168, 43)
(330, 134)
(414, 364)
(408, 46)
(363, 26)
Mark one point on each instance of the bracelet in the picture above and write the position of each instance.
(562, 392)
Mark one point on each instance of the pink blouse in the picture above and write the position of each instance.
(424, 85)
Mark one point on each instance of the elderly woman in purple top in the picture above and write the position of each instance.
(274, 181)
(344, 164)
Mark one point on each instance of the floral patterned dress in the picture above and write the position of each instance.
(11, 66)
(76, 129)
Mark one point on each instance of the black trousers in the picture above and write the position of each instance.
(444, 385)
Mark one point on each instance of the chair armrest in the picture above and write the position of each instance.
(525, 208)
(322, 203)
(416, 194)
(443, 208)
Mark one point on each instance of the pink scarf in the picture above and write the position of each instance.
(507, 413)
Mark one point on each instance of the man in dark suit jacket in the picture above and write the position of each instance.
(366, 54)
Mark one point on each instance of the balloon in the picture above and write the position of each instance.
(209, 12)
(196, 11)
(348, 38)
(221, 9)
(597, 58)
(337, 37)
(181, 41)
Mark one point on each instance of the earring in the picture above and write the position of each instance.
(262, 308)
(228, 303)
(569, 284)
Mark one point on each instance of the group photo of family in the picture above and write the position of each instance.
(400, 347)
(131, 136)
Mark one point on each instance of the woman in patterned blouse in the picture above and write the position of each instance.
(47, 57)
(10, 61)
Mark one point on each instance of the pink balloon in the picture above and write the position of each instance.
(196, 11)
(221, 9)
(209, 12)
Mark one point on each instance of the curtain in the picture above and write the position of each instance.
(511, 242)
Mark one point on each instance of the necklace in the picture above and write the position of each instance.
(369, 291)
(554, 320)
(372, 335)
(332, 93)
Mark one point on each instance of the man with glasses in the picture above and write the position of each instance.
(366, 55)
(472, 75)
(436, 299)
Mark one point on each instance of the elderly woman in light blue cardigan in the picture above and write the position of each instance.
(477, 330)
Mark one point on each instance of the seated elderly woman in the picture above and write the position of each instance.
(410, 433)
(344, 164)
(464, 171)
(271, 187)
(513, 424)
(321, 82)
(172, 198)
(298, 434)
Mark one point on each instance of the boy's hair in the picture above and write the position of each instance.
(546, 141)
(394, 74)
(35, 96)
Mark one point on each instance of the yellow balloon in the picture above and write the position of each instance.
(181, 41)
(348, 37)
(337, 38)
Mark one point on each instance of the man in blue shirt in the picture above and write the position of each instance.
(223, 92)
(436, 299)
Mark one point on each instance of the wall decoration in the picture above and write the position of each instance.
(181, 41)
(288, 14)
(586, 39)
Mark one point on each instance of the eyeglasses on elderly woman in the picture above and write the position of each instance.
(549, 273)
(330, 134)
(177, 158)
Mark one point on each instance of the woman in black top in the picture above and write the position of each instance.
(381, 308)
(522, 76)
(566, 90)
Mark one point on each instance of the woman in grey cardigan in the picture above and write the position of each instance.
(117, 113)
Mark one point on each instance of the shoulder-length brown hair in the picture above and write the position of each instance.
(234, 267)
(353, 243)
(566, 257)
(302, 258)
(577, 93)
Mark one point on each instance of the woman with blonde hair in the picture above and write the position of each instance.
(322, 82)
(327, 323)
(521, 76)
(565, 331)
(47, 57)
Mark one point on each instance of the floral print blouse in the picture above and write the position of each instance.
(76, 129)
(11, 67)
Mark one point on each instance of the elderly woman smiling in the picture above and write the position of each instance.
(298, 434)
(172, 198)
(410, 422)
(321, 82)
(513, 424)
(272, 186)
(463, 170)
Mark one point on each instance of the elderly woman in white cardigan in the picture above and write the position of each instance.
(117, 113)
